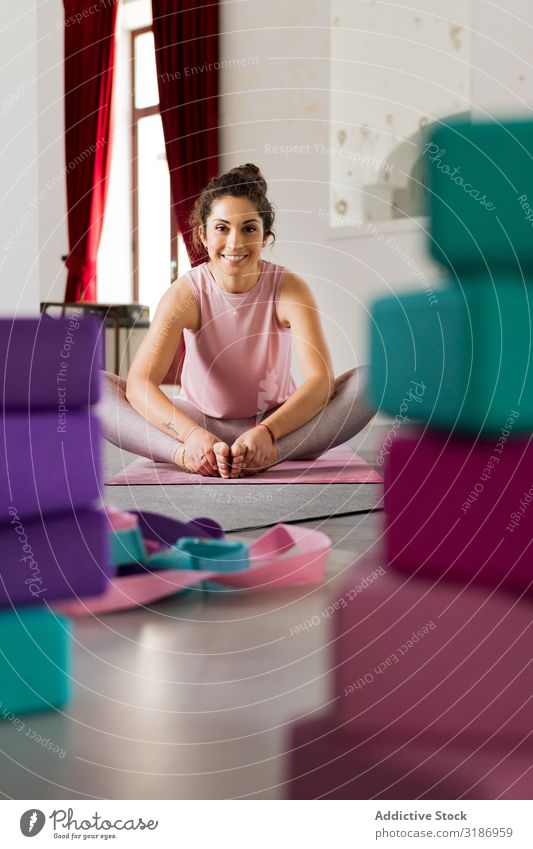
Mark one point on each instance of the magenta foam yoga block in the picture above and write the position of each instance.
(49, 363)
(60, 556)
(331, 761)
(461, 509)
(428, 659)
(46, 467)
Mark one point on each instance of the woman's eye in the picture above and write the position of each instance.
(221, 228)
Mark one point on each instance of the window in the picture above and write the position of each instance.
(140, 250)
(154, 229)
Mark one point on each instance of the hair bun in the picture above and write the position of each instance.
(251, 173)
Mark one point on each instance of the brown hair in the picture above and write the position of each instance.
(242, 181)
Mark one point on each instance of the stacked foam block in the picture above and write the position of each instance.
(53, 537)
(433, 635)
(453, 485)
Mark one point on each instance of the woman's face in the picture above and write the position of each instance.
(234, 236)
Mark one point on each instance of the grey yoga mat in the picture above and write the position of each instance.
(247, 505)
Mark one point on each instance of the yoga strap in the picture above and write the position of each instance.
(284, 556)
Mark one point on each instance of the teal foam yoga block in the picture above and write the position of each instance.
(481, 194)
(172, 559)
(218, 555)
(462, 361)
(127, 546)
(34, 661)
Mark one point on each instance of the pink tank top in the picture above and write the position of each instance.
(237, 364)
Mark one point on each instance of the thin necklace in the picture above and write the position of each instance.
(246, 294)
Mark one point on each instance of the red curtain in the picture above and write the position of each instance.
(89, 65)
(187, 57)
(187, 60)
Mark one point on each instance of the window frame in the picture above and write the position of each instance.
(138, 114)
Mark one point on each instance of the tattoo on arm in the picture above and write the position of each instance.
(170, 426)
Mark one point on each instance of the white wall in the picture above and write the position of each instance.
(283, 100)
(53, 239)
(502, 58)
(19, 202)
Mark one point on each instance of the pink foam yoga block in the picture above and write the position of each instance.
(330, 761)
(62, 556)
(428, 659)
(460, 508)
(51, 363)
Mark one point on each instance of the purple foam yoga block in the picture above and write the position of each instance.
(430, 659)
(50, 363)
(330, 761)
(61, 556)
(460, 508)
(46, 467)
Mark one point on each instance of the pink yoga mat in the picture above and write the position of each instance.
(339, 465)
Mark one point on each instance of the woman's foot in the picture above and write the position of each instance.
(271, 460)
(238, 450)
(222, 453)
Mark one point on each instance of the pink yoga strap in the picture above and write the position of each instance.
(271, 565)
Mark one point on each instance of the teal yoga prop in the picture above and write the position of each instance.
(221, 555)
(127, 547)
(481, 195)
(462, 362)
(130, 552)
(136, 539)
(34, 661)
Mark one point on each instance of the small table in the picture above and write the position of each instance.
(113, 315)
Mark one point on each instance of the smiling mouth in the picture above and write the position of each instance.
(234, 257)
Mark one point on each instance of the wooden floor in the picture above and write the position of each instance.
(192, 698)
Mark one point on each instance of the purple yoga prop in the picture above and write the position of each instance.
(49, 363)
(164, 530)
(47, 468)
(57, 557)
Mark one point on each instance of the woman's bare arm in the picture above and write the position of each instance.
(176, 310)
(298, 309)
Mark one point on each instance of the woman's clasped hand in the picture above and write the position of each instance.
(203, 453)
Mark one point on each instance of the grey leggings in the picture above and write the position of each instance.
(346, 414)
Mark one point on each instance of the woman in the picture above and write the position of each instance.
(238, 410)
